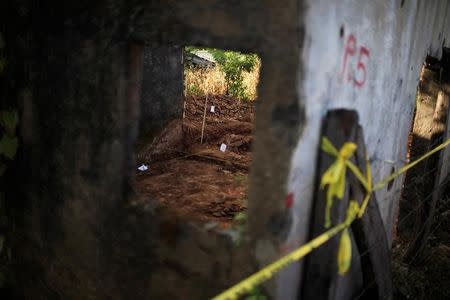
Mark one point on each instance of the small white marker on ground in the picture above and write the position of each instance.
(143, 168)
(212, 108)
(223, 147)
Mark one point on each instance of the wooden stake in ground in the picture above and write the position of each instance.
(204, 118)
(184, 101)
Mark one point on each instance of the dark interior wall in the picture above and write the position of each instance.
(74, 69)
(162, 89)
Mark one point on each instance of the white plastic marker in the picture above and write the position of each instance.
(223, 147)
(143, 168)
(212, 108)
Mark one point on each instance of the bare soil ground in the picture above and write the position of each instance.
(195, 181)
(426, 276)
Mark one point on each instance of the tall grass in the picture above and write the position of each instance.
(251, 80)
(199, 82)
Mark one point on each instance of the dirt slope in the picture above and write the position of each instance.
(198, 182)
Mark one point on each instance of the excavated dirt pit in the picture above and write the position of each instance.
(196, 181)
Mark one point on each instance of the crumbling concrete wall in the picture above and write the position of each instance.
(367, 56)
(162, 89)
(79, 232)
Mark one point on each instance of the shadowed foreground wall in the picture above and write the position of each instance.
(74, 73)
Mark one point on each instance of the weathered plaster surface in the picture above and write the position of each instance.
(397, 38)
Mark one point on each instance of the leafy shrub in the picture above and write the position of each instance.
(233, 64)
(237, 69)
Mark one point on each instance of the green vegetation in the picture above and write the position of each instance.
(237, 74)
(240, 227)
(233, 64)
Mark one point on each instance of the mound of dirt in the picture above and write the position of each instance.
(197, 181)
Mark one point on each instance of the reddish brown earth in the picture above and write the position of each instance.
(195, 181)
(424, 276)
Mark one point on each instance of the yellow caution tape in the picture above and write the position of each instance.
(329, 148)
(344, 251)
(334, 176)
(406, 167)
(266, 273)
(344, 257)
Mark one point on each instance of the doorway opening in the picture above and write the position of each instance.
(197, 164)
(419, 252)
